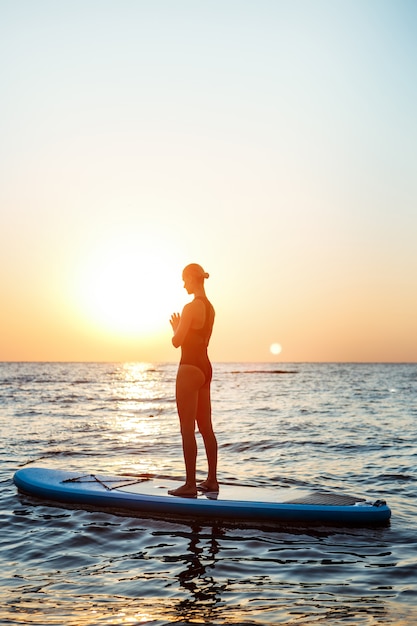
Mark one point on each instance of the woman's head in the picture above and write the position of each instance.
(193, 276)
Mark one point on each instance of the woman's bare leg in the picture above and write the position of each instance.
(205, 427)
(189, 381)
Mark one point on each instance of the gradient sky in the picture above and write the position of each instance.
(272, 141)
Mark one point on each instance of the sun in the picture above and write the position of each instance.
(275, 348)
(128, 287)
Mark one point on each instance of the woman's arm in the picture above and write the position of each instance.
(181, 324)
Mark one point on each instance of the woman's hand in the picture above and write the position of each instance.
(181, 324)
(175, 320)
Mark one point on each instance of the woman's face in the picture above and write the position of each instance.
(189, 282)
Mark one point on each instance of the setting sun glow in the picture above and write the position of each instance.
(126, 288)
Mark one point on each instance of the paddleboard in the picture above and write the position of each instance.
(149, 495)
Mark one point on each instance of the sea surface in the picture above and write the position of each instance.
(350, 428)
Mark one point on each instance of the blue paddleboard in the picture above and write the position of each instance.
(148, 494)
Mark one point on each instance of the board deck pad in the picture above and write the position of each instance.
(149, 494)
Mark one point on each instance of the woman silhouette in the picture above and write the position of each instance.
(192, 332)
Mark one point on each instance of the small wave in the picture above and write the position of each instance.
(250, 446)
(48, 455)
(140, 399)
(400, 477)
(264, 372)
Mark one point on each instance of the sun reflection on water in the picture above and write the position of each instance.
(139, 391)
(143, 410)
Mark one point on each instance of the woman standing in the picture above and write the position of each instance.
(192, 332)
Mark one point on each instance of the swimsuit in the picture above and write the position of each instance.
(194, 347)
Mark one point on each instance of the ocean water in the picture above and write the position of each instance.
(351, 428)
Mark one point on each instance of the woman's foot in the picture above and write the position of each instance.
(185, 491)
(208, 485)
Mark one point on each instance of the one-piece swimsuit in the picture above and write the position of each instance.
(194, 347)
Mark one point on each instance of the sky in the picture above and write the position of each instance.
(274, 142)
